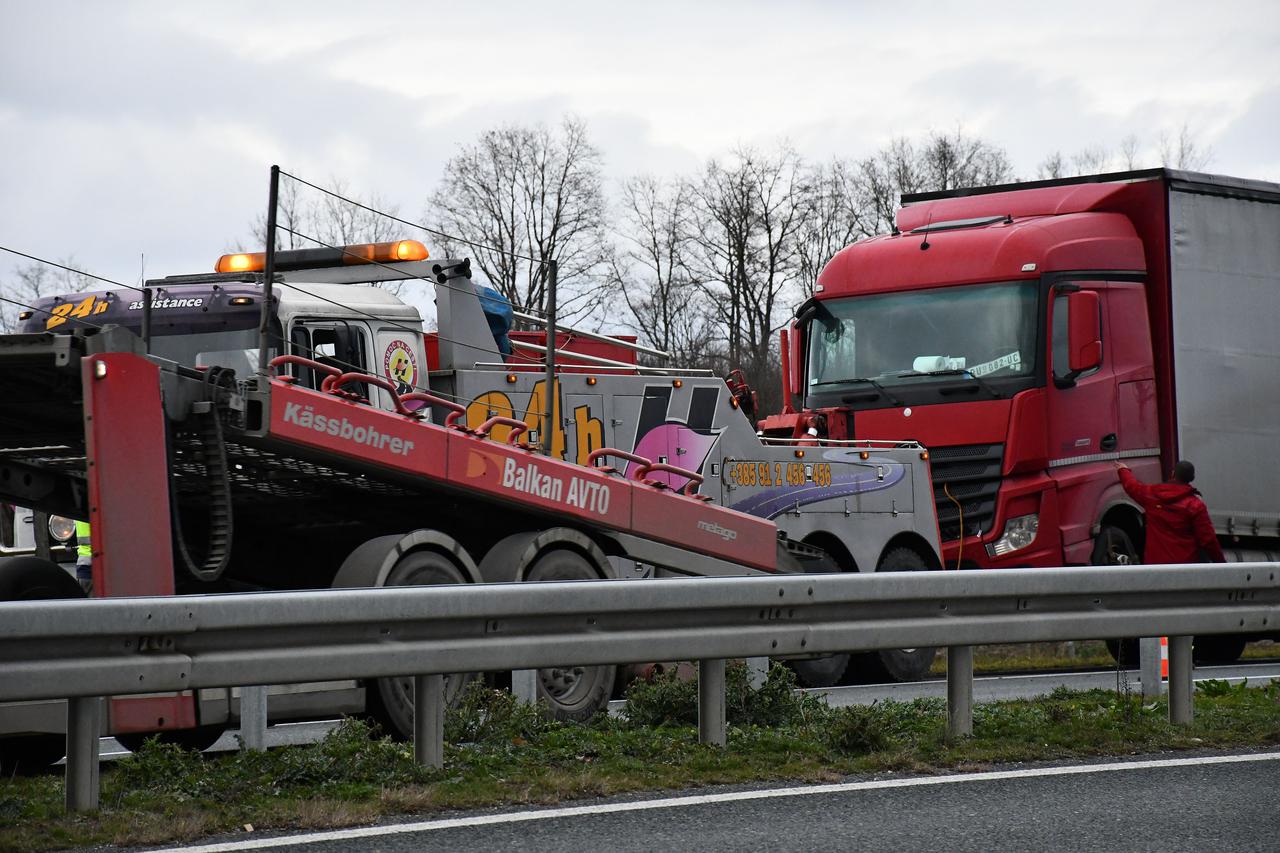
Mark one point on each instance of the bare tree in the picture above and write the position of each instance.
(1184, 151)
(943, 162)
(748, 216)
(651, 270)
(832, 218)
(519, 196)
(1129, 149)
(1179, 152)
(1052, 167)
(884, 177)
(30, 282)
(318, 219)
(952, 161)
(307, 219)
(1093, 160)
(340, 223)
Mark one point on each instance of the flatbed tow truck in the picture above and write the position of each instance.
(341, 465)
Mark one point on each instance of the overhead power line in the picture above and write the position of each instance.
(432, 231)
(71, 269)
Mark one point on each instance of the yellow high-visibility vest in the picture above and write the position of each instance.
(83, 546)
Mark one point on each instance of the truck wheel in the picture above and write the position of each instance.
(1114, 547)
(1217, 648)
(898, 664)
(571, 693)
(1125, 652)
(824, 671)
(389, 701)
(33, 579)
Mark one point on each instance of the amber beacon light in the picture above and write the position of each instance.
(301, 259)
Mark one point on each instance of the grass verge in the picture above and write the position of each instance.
(501, 753)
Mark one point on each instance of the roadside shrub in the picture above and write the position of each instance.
(351, 753)
(664, 701)
(776, 703)
(484, 715)
(856, 730)
(161, 768)
(670, 700)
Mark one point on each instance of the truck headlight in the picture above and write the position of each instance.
(62, 529)
(1018, 533)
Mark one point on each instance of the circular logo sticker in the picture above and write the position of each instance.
(400, 366)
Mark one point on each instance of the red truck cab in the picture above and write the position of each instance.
(1025, 335)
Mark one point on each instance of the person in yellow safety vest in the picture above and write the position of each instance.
(84, 557)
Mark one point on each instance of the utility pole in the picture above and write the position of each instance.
(268, 272)
(548, 431)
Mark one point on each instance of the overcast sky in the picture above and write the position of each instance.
(149, 127)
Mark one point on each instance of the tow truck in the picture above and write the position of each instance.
(353, 450)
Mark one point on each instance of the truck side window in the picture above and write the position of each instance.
(834, 351)
(1060, 356)
(340, 345)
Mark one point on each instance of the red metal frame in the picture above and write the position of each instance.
(456, 460)
(128, 476)
(128, 484)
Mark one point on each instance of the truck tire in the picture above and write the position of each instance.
(570, 693)
(1217, 648)
(1125, 652)
(33, 579)
(1114, 547)
(823, 671)
(898, 664)
(389, 701)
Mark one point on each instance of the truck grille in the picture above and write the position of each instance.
(971, 472)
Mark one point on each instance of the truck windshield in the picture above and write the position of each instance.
(961, 333)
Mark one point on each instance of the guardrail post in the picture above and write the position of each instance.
(253, 718)
(711, 725)
(1180, 683)
(524, 685)
(428, 720)
(83, 731)
(959, 691)
(1149, 666)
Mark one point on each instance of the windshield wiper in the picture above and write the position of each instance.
(957, 372)
(866, 379)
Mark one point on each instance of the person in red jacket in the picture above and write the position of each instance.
(1178, 525)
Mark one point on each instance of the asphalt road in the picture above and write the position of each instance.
(1218, 803)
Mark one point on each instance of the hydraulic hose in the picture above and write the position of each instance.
(213, 453)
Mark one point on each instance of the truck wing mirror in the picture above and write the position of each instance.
(807, 311)
(795, 344)
(347, 345)
(1084, 331)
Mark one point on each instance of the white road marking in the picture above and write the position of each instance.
(711, 799)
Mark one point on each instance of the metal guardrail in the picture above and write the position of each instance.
(84, 650)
